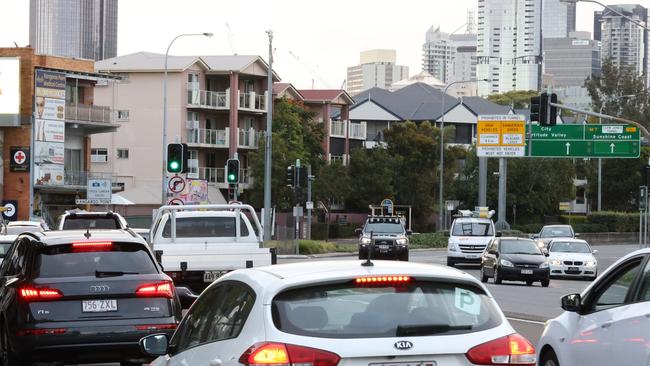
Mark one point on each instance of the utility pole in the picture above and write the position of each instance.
(309, 202)
(269, 139)
(482, 181)
(501, 223)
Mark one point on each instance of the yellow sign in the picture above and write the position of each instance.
(565, 206)
(501, 136)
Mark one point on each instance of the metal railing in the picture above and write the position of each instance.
(337, 128)
(357, 130)
(208, 99)
(249, 138)
(252, 101)
(218, 175)
(218, 138)
(80, 178)
(88, 113)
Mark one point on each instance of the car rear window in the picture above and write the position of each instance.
(418, 308)
(64, 261)
(83, 223)
(207, 226)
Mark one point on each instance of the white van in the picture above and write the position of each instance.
(468, 238)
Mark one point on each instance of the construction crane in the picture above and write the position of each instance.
(311, 71)
(231, 39)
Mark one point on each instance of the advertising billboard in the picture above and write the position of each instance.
(49, 128)
(9, 85)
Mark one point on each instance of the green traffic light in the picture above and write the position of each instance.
(174, 166)
(231, 177)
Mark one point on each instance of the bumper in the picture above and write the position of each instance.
(573, 271)
(516, 274)
(87, 344)
(460, 257)
(392, 251)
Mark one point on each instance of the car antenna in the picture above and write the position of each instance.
(368, 262)
(87, 233)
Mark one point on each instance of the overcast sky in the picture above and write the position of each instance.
(324, 36)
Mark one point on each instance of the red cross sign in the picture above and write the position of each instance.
(20, 157)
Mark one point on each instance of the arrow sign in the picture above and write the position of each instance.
(568, 146)
(612, 146)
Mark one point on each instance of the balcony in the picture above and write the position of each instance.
(217, 176)
(343, 159)
(202, 137)
(337, 128)
(90, 118)
(252, 101)
(208, 99)
(73, 181)
(358, 131)
(248, 139)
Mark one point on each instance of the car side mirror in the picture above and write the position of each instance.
(155, 345)
(545, 252)
(534, 236)
(594, 252)
(409, 232)
(499, 234)
(572, 303)
(576, 235)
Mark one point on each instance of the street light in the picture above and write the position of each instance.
(164, 136)
(600, 160)
(442, 143)
(640, 24)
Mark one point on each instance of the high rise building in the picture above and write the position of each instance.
(464, 64)
(558, 19)
(624, 42)
(377, 68)
(74, 28)
(438, 54)
(509, 45)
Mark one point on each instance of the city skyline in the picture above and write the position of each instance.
(308, 48)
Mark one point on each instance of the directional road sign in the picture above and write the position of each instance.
(585, 141)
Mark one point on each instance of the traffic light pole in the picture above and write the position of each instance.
(268, 162)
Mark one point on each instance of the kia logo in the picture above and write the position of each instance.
(100, 288)
(403, 345)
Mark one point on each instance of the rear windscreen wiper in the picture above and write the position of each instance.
(112, 273)
(427, 329)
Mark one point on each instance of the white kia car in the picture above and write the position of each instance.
(608, 324)
(572, 258)
(343, 313)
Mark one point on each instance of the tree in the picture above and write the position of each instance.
(332, 185)
(517, 99)
(373, 174)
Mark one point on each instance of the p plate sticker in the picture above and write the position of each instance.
(467, 301)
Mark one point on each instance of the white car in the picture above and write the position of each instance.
(468, 238)
(5, 243)
(343, 313)
(572, 258)
(608, 324)
(19, 227)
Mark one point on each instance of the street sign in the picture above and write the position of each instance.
(176, 184)
(585, 141)
(309, 205)
(10, 210)
(565, 206)
(175, 202)
(643, 197)
(99, 190)
(19, 158)
(388, 204)
(501, 136)
(89, 201)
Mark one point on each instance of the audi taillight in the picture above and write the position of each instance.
(513, 349)
(92, 246)
(280, 354)
(39, 332)
(39, 294)
(156, 326)
(162, 289)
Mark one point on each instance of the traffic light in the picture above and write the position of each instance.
(232, 171)
(291, 176)
(539, 109)
(177, 155)
(552, 111)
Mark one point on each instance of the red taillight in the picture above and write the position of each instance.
(39, 294)
(92, 246)
(38, 332)
(162, 289)
(277, 354)
(513, 349)
(156, 326)
(382, 280)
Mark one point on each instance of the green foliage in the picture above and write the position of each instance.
(315, 247)
(615, 221)
(528, 228)
(519, 99)
(332, 184)
(428, 240)
(372, 172)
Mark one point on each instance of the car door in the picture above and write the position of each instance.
(489, 260)
(209, 333)
(592, 339)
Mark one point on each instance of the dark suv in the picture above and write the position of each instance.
(82, 296)
(515, 259)
(384, 237)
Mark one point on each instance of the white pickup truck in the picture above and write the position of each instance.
(196, 244)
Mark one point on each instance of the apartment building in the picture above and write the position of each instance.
(376, 68)
(215, 104)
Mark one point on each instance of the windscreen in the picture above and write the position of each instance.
(83, 223)
(417, 308)
(65, 261)
(384, 228)
(569, 247)
(556, 232)
(519, 247)
(205, 226)
(472, 229)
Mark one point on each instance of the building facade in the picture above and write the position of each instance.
(509, 45)
(569, 61)
(438, 54)
(464, 64)
(558, 19)
(74, 28)
(46, 140)
(377, 68)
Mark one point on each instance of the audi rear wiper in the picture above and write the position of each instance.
(112, 273)
(427, 329)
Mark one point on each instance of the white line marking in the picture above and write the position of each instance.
(526, 321)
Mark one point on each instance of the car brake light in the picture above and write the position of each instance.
(39, 294)
(382, 279)
(277, 354)
(513, 349)
(38, 332)
(92, 246)
(162, 289)
(156, 326)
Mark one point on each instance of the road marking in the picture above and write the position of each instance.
(526, 321)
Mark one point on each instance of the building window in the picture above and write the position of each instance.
(122, 153)
(123, 115)
(99, 155)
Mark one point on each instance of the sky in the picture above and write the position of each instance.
(314, 41)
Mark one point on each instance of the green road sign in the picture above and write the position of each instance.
(585, 141)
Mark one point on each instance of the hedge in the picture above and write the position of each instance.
(428, 240)
(603, 221)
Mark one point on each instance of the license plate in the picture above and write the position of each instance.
(473, 256)
(210, 276)
(576, 269)
(383, 247)
(526, 271)
(98, 306)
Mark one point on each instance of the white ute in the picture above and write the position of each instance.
(468, 237)
(197, 244)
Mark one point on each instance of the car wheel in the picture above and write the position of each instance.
(484, 277)
(549, 359)
(529, 283)
(497, 276)
(8, 357)
(545, 283)
(450, 262)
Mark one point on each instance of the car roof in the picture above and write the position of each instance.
(569, 240)
(552, 226)
(23, 223)
(208, 213)
(514, 238)
(91, 213)
(473, 219)
(4, 239)
(58, 237)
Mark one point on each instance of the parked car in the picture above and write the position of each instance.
(384, 237)
(514, 259)
(572, 258)
(5, 244)
(608, 323)
(468, 237)
(343, 313)
(82, 297)
(90, 220)
(19, 227)
(550, 232)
